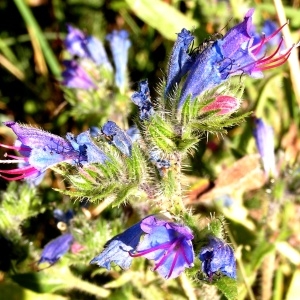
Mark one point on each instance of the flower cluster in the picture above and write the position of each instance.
(169, 245)
(213, 64)
(78, 75)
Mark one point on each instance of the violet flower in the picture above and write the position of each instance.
(56, 248)
(143, 101)
(39, 151)
(234, 54)
(217, 256)
(264, 138)
(168, 244)
(75, 42)
(119, 45)
(118, 249)
(74, 76)
(81, 45)
(180, 61)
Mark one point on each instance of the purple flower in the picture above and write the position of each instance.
(234, 54)
(143, 101)
(79, 44)
(116, 136)
(76, 77)
(118, 249)
(180, 61)
(217, 256)
(56, 248)
(168, 244)
(39, 151)
(264, 138)
(119, 44)
(75, 42)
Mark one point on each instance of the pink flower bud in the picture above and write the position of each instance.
(225, 105)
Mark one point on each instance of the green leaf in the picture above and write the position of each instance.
(124, 194)
(162, 16)
(39, 282)
(228, 287)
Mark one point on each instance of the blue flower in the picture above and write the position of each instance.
(116, 136)
(119, 44)
(64, 217)
(143, 101)
(217, 256)
(81, 45)
(134, 133)
(168, 244)
(74, 76)
(118, 249)
(56, 248)
(180, 61)
(264, 138)
(88, 151)
(39, 151)
(234, 54)
(162, 164)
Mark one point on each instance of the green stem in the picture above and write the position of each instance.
(87, 287)
(32, 23)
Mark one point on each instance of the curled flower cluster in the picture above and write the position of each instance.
(169, 245)
(234, 54)
(90, 48)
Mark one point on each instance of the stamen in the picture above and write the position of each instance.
(166, 255)
(146, 251)
(18, 171)
(272, 55)
(10, 161)
(254, 49)
(17, 158)
(258, 47)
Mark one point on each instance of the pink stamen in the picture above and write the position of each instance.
(269, 63)
(17, 148)
(258, 47)
(24, 172)
(166, 245)
(173, 264)
(19, 158)
(255, 50)
(166, 255)
(17, 171)
(272, 55)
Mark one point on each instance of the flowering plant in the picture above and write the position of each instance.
(134, 204)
